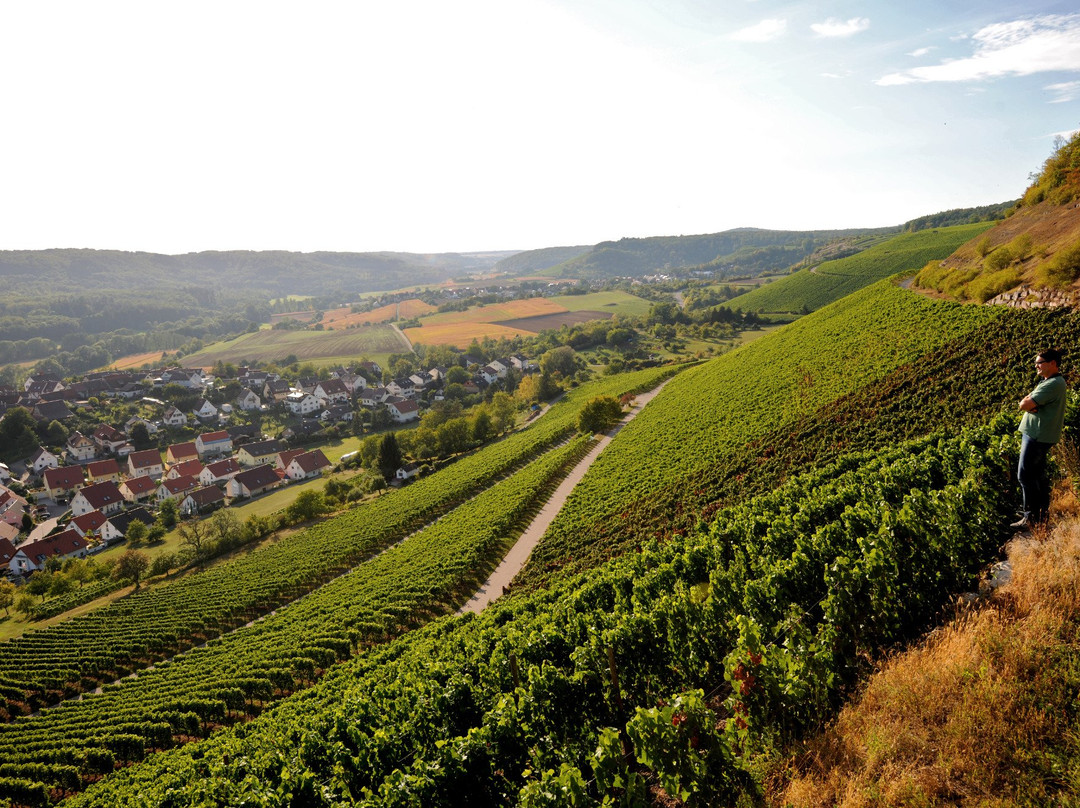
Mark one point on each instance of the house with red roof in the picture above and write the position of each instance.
(213, 443)
(252, 482)
(80, 448)
(403, 411)
(88, 523)
(307, 465)
(109, 439)
(221, 471)
(177, 488)
(32, 556)
(104, 497)
(189, 468)
(179, 452)
(146, 463)
(102, 470)
(138, 489)
(63, 481)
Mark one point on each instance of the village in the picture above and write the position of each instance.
(81, 496)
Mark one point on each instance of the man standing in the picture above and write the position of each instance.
(1044, 416)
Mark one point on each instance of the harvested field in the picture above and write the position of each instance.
(405, 310)
(376, 341)
(136, 360)
(299, 316)
(544, 322)
(497, 312)
(461, 334)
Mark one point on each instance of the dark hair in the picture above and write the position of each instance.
(1051, 355)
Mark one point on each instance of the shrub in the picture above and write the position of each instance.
(983, 247)
(999, 259)
(1021, 247)
(994, 283)
(1062, 269)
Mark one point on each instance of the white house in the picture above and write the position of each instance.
(115, 527)
(33, 555)
(80, 448)
(146, 463)
(138, 489)
(204, 410)
(177, 488)
(248, 400)
(307, 465)
(403, 411)
(331, 391)
(104, 497)
(173, 417)
(259, 452)
(202, 500)
(302, 403)
(213, 443)
(220, 471)
(42, 459)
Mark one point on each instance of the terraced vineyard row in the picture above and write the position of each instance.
(238, 674)
(78, 655)
(966, 381)
(708, 412)
(664, 667)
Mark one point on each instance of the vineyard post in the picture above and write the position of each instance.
(514, 671)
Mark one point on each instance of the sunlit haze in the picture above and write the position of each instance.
(434, 126)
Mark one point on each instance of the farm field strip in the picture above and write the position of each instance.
(270, 344)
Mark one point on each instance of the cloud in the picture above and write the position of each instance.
(1018, 48)
(764, 31)
(1064, 91)
(837, 28)
(920, 52)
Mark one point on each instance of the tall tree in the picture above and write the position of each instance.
(389, 460)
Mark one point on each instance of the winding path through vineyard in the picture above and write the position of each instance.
(517, 556)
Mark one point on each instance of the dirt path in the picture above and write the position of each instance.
(522, 549)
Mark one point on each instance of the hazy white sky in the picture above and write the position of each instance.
(475, 125)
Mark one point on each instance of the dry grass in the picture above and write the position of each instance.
(983, 713)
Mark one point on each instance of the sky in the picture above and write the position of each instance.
(476, 125)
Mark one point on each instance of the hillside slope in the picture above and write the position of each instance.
(810, 289)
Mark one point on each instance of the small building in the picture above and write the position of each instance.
(403, 411)
(252, 482)
(407, 472)
(80, 448)
(177, 488)
(116, 527)
(42, 459)
(210, 444)
(109, 439)
(138, 489)
(104, 497)
(258, 453)
(204, 410)
(102, 470)
(189, 468)
(63, 482)
(88, 523)
(301, 403)
(202, 500)
(307, 465)
(248, 400)
(219, 472)
(181, 452)
(146, 463)
(173, 417)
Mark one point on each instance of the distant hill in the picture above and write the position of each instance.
(272, 273)
(743, 251)
(524, 263)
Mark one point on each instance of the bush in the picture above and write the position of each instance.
(1061, 270)
(983, 247)
(999, 259)
(992, 284)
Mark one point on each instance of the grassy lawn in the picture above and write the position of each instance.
(614, 302)
(321, 347)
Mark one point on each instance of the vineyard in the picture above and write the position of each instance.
(717, 583)
(668, 667)
(231, 676)
(715, 410)
(272, 345)
(810, 289)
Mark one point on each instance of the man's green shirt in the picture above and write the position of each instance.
(1044, 425)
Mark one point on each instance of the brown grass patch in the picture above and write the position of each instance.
(136, 360)
(405, 310)
(984, 712)
(497, 312)
(460, 335)
(544, 322)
